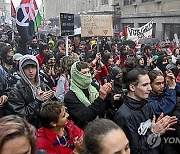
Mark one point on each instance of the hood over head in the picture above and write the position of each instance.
(29, 60)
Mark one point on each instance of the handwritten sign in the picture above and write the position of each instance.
(96, 25)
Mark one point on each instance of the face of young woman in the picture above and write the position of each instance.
(18, 145)
(115, 142)
(45, 51)
(141, 62)
(110, 61)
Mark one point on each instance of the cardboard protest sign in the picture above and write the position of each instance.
(96, 25)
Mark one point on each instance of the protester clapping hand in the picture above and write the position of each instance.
(45, 95)
(163, 124)
(3, 99)
(105, 90)
(51, 71)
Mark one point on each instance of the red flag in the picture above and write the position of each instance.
(124, 33)
(13, 11)
(30, 7)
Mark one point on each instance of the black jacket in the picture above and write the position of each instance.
(3, 87)
(81, 114)
(129, 117)
(176, 133)
(22, 103)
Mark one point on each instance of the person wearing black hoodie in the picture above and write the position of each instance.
(3, 90)
(162, 62)
(7, 57)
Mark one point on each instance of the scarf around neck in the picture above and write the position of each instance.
(79, 81)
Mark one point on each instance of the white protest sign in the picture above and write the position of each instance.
(96, 25)
(135, 34)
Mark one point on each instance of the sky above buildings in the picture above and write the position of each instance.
(17, 2)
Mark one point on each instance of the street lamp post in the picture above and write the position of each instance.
(116, 17)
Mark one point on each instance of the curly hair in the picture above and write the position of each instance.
(65, 65)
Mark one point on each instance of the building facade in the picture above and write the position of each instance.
(165, 14)
(67, 6)
(2, 11)
(133, 13)
(75, 6)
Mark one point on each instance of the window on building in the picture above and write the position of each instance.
(147, 0)
(170, 30)
(104, 2)
(128, 2)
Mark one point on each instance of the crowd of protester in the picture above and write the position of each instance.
(106, 100)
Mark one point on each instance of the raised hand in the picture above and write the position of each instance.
(78, 144)
(170, 79)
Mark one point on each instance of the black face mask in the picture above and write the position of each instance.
(118, 82)
(34, 46)
(7, 61)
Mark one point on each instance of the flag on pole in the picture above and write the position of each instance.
(13, 11)
(28, 19)
(124, 33)
(36, 17)
(37, 21)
